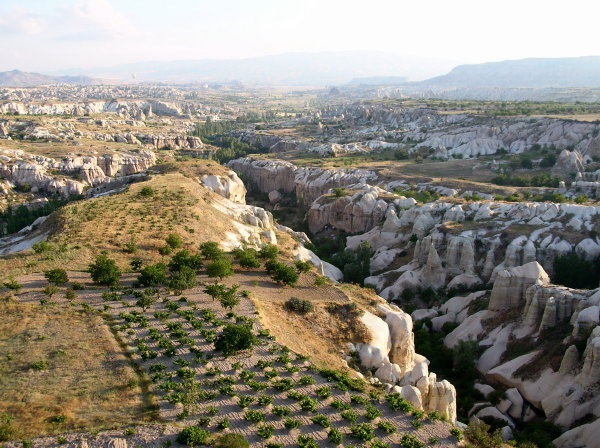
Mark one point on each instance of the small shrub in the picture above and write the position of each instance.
(456, 432)
(39, 365)
(220, 268)
(479, 435)
(303, 266)
(397, 403)
(193, 436)
(335, 436)
(231, 440)
(306, 380)
(410, 441)
(264, 400)
(321, 420)
(349, 415)
(359, 399)
(291, 423)
(380, 444)
(223, 424)
(265, 431)
(281, 411)
(308, 404)
(320, 280)
(56, 276)
(284, 274)
(434, 416)
(387, 427)
(174, 241)
(274, 445)
(300, 306)
(283, 384)
(340, 405)
(147, 192)
(363, 432)
(50, 289)
(254, 416)
(203, 421)
(70, 295)
(13, 285)
(7, 430)
(58, 419)
(416, 424)
(371, 413)
(211, 251)
(245, 401)
(269, 252)
(306, 442)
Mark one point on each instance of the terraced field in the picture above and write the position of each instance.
(270, 395)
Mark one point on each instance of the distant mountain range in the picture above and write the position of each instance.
(353, 68)
(309, 69)
(533, 72)
(17, 78)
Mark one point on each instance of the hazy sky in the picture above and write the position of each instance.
(60, 34)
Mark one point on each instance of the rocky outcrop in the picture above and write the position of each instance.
(568, 163)
(466, 135)
(390, 353)
(75, 173)
(511, 284)
(359, 211)
(470, 257)
(170, 141)
(230, 187)
(307, 183)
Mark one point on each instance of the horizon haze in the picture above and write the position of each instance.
(87, 36)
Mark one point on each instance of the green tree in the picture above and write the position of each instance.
(235, 338)
(211, 251)
(575, 272)
(184, 278)
(104, 271)
(229, 298)
(247, 258)
(303, 266)
(174, 241)
(269, 252)
(57, 276)
(184, 258)
(215, 290)
(165, 250)
(221, 268)
(153, 275)
(145, 301)
(284, 274)
(136, 264)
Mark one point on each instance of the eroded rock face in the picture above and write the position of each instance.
(230, 187)
(307, 183)
(391, 353)
(511, 284)
(75, 172)
(467, 135)
(359, 211)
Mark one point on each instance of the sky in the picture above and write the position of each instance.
(53, 35)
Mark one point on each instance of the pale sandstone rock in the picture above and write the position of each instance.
(230, 187)
(510, 285)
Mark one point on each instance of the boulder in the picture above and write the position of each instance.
(510, 285)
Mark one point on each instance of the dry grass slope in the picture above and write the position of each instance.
(81, 372)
